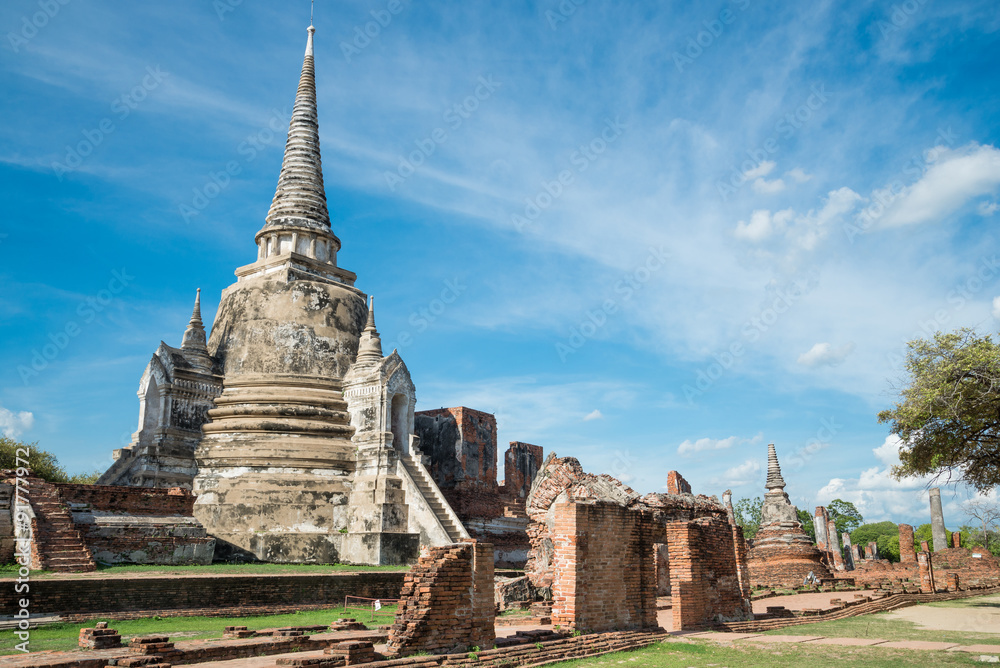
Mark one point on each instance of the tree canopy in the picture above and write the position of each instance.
(884, 534)
(747, 513)
(808, 523)
(41, 463)
(948, 416)
(844, 515)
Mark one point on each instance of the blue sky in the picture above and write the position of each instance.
(651, 237)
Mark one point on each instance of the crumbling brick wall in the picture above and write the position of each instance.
(604, 572)
(461, 444)
(710, 590)
(447, 602)
(705, 583)
(138, 525)
(131, 500)
(907, 554)
(521, 464)
(676, 484)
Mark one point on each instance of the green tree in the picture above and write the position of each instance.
(925, 532)
(807, 523)
(844, 515)
(949, 414)
(41, 463)
(747, 513)
(881, 533)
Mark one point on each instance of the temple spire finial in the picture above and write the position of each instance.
(774, 479)
(194, 335)
(300, 197)
(370, 346)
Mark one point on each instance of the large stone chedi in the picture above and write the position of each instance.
(289, 423)
(782, 552)
(276, 464)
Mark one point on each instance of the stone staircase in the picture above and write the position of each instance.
(57, 541)
(435, 499)
(516, 507)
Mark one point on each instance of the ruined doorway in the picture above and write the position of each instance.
(398, 422)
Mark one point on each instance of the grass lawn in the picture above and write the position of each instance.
(10, 570)
(883, 625)
(683, 654)
(64, 636)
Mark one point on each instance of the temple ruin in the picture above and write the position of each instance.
(783, 554)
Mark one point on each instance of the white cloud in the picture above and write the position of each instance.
(743, 474)
(13, 424)
(987, 208)
(824, 354)
(761, 170)
(996, 308)
(768, 187)
(705, 444)
(955, 177)
(877, 495)
(593, 415)
(798, 175)
(762, 224)
(802, 230)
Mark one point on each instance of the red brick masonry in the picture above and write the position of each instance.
(446, 602)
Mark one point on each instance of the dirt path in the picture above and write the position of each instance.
(982, 616)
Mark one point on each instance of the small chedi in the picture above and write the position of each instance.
(782, 554)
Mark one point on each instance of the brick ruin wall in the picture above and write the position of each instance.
(447, 602)
(907, 555)
(606, 577)
(676, 484)
(130, 500)
(959, 562)
(138, 525)
(710, 584)
(461, 444)
(164, 594)
(705, 581)
(521, 464)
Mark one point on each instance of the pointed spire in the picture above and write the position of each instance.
(774, 479)
(300, 198)
(194, 335)
(370, 346)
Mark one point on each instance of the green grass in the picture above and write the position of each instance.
(64, 636)
(515, 613)
(683, 654)
(886, 627)
(10, 570)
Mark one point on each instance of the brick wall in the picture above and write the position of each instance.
(704, 581)
(521, 464)
(131, 500)
(906, 551)
(926, 573)
(605, 575)
(447, 602)
(106, 595)
(676, 484)
(705, 547)
(462, 446)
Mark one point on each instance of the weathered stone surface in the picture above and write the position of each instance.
(938, 534)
